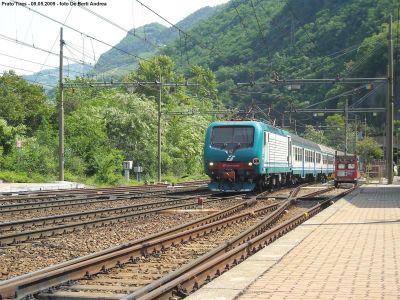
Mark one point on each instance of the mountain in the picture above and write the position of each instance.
(266, 39)
(49, 78)
(114, 63)
(145, 41)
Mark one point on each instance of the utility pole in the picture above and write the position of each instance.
(61, 114)
(390, 104)
(159, 129)
(365, 126)
(355, 135)
(346, 125)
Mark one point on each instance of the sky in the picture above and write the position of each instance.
(20, 22)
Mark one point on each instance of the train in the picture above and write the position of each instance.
(346, 169)
(243, 156)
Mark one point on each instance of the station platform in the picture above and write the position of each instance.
(351, 250)
(6, 188)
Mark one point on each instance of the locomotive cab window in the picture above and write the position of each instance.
(232, 137)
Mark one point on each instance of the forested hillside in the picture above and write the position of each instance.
(152, 37)
(267, 39)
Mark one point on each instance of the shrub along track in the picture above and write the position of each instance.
(142, 249)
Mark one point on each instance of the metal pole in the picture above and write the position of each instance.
(18, 157)
(346, 113)
(355, 138)
(390, 103)
(365, 126)
(61, 113)
(159, 130)
(126, 174)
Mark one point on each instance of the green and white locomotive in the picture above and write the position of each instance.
(246, 155)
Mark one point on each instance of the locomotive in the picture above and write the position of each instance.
(240, 156)
(346, 169)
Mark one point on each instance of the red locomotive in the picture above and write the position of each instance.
(346, 169)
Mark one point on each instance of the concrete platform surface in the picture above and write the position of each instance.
(27, 187)
(351, 250)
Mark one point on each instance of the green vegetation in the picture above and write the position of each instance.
(103, 127)
(267, 39)
(241, 41)
(369, 149)
(115, 63)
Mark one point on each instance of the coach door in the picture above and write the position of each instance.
(315, 163)
(266, 150)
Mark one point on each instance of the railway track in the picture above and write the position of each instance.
(99, 193)
(192, 276)
(105, 260)
(96, 218)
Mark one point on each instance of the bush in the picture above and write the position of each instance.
(33, 158)
(12, 176)
(108, 166)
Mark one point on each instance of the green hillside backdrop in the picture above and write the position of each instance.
(253, 41)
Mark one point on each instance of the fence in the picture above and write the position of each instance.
(375, 171)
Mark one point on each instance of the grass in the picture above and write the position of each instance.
(23, 177)
(12, 176)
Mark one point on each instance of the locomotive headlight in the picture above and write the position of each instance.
(210, 163)
(250, 164)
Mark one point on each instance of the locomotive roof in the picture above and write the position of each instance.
(251, 123)
(295, 138)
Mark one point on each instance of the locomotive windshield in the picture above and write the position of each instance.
(232, 137)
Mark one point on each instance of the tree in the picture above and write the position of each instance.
(335, 131)
(369, 149)
(23, 103)
(131, 127)
(315, 135)
(8, 136)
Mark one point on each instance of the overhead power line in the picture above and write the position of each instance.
(52, 47)
(241, 19)
(40, 84)
(315, 81)
(305, 30)
(25, 70)
(127, 83)
(4, 37)
(199, 43)
(119, 27)
(257, 20)
(82, 33)
(34, 62)
(27, 60)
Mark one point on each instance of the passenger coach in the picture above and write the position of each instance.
(245, 155)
